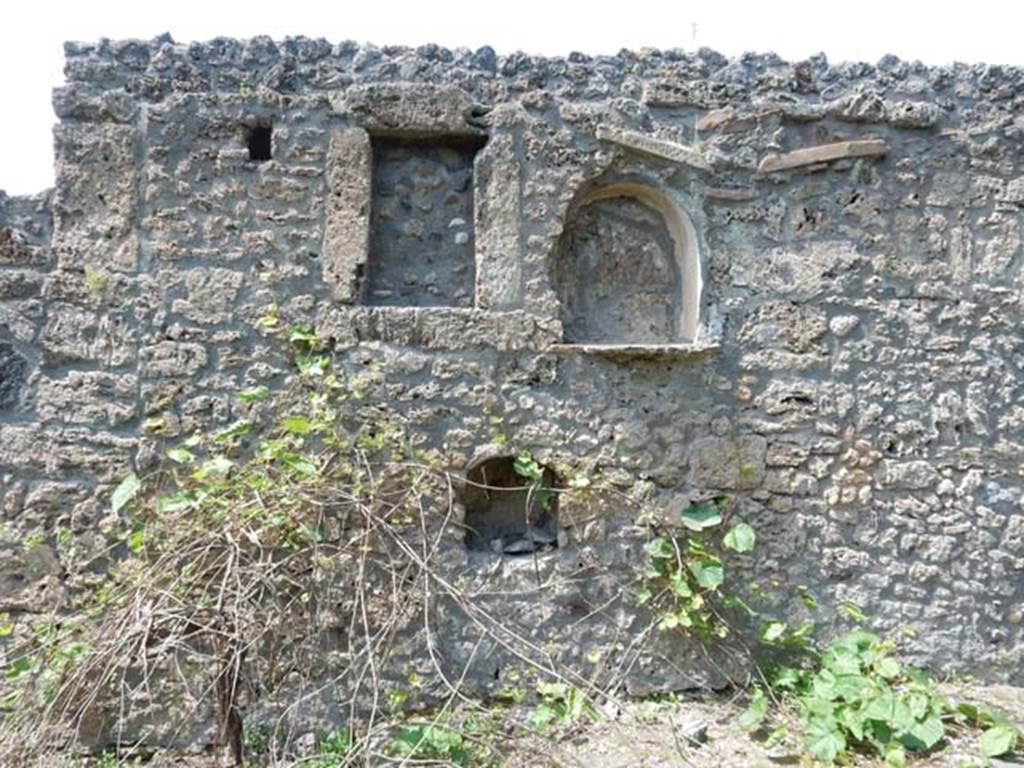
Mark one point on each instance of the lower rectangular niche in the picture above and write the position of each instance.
(421, 223)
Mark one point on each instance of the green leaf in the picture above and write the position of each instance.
(740, 538)
(772, 631)
(858, 641)
(995, 717)
(126, 490)
(312, 365)
(297, 425)
(254, 395)
(776, 737)
(137, 539)
(924, 734)
(895, 756)
(660, 547)
(887, 667)
(668, 621)
(842, 660)
(820, 704)
(302, 334)
(542, 716)
(552, 690)
(786, 678)
(300, 464)
(881, 707)
(526, 466)
(808, 599)
(854, 612)
(853, 721)
(824, 739)
(998, 740)
(851, 687)
(679, 585)
(177, 502)
(700, 517)
(755, 712)
(733, 601)
(237, 429)
(180, 455)
(892, 710)
(218, 466)
(800, 635)
(918, 703)
(18, 667)
(708, 572)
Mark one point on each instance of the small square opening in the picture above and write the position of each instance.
(258, 140)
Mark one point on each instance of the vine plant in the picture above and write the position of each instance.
(852, 696)
(685, 579)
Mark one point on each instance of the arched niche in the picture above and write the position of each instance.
(505, 513)
(628, 268)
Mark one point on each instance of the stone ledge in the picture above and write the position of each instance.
(635, 351)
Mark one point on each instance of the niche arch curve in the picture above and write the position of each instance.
(669, 238)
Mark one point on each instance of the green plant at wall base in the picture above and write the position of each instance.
(859, 696)
(561, 705)
(465, 744)
(855, 696)
(686, 580)
(333, 750)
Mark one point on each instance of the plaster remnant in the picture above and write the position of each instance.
(728, 463)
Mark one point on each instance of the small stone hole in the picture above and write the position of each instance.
(504, 515)
(257, 138)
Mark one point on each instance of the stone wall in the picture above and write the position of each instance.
(803, 288)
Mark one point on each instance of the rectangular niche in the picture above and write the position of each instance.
(421, 223)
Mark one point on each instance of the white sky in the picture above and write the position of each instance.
(936, 32)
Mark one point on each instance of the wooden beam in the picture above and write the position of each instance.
(823, 154)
